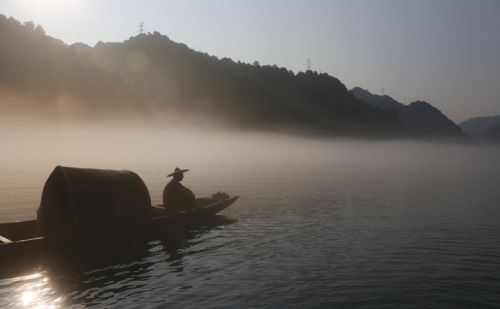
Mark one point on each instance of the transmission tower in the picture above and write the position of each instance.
(308, 62)
(141, 27)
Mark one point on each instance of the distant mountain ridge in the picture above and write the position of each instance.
(248, 95)
(38, 67)
(380, 101)
(152, 77)
(483, 129)
(420, 117)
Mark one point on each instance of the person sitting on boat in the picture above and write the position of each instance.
(179, 198)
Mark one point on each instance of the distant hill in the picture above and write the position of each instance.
(40, 73)
(421, 118)
(380, 101)
(176, 78)
(483, 129)
(156, 79)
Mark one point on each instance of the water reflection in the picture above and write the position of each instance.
(175, 243)
(105, 274)
(31, 291)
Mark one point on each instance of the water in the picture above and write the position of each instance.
(320, 224)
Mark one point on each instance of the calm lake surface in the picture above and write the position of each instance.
(319, 224)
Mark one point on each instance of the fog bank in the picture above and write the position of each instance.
(239, 162)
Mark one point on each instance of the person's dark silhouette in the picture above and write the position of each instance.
(176, 196)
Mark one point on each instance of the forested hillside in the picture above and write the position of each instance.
(158, 80)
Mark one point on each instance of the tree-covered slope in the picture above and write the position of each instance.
(421, 118)
(46, 73)
(151, 76)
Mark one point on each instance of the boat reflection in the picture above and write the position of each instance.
(177, 241)
(95, 273)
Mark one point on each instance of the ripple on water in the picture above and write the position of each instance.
(339, 243)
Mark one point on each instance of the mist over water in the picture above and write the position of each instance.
(319, 223)
(461, 175)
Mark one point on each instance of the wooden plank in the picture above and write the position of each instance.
(4, 240)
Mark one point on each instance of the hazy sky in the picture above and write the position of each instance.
(446, 52)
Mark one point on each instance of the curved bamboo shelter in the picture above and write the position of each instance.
(93, 199)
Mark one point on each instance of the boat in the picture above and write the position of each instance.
(159, 213)
(23, 233)
(82, 206)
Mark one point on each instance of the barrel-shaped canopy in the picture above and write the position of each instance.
(95, 199)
